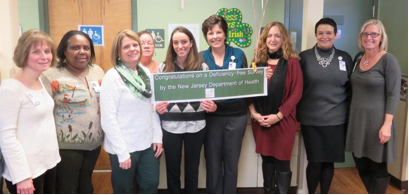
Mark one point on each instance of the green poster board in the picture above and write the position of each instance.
(238, 32)
(216, 84)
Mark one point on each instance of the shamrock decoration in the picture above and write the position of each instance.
(238, 32)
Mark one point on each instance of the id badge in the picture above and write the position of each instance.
(33, 98)
(95, 86)
(342, 66)
(232, 65)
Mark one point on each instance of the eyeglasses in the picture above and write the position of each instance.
(373, 35)
(147, 44)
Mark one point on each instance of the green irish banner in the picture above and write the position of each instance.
(238, 32)
(216, 84)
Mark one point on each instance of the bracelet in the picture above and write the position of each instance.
(278, 117)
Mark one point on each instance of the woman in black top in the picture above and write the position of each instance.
(323, 108)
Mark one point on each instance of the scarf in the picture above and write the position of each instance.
(269, 104)
(275, 55)
(138, 84)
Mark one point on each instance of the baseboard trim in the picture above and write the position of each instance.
(293, 190)
(401, 185)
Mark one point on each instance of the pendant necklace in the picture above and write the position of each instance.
(366, 62)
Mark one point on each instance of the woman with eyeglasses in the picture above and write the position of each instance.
(323, 109)
(375, 84)
(148, 50)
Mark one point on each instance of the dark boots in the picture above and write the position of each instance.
(374, 185)
(283, 182)
(379, 186)
(269, 177)
(367, 182)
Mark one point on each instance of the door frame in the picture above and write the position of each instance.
(43, 15)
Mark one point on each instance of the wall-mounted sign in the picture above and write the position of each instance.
(240, 33)
(95, 32)
(158, 36)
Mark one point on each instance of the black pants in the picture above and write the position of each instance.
(222, 150)
(280, 165)
(367, 167)
(74, 172)
(43, 184)
(172, 143)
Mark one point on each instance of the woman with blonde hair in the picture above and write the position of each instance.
(375, 86)
(28, 138)
(273, 116)
(133, 137)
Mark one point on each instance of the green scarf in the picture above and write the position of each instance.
(139, 84)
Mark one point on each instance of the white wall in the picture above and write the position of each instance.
(9, 35)
(313, 11)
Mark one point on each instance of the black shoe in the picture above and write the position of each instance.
(283, 182)
(269, 177)
(379, 186)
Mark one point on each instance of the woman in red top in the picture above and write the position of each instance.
(274, 122)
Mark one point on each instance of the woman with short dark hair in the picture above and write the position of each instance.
(225, 126)
(323, 108)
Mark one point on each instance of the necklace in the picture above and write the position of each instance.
(366, 62)
(324, 62)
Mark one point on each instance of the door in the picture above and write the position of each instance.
(349, 15)
(113, 14)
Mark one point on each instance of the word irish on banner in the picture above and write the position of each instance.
(238, 32)
(217, 84)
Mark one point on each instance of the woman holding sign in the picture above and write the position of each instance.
(183, 123)
(274, 122)
(226, 126)
(133, 137)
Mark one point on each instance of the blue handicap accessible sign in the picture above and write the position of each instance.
(95, 32)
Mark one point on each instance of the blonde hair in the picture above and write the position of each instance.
(383, 46)
(117, 43)
(26, 41)
(287, 47)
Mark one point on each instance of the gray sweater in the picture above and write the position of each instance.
(375, 92)
(325, 100)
